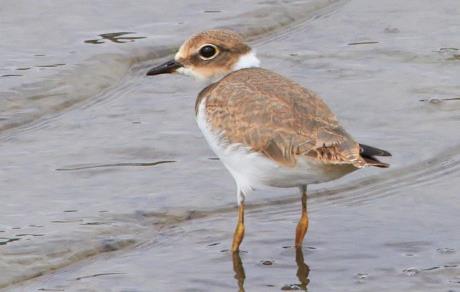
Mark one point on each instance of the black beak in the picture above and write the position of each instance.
(168, 67)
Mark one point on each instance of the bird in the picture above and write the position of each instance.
(267, 130)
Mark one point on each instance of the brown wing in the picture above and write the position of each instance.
(277, 117)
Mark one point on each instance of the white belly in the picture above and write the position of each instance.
(253, 170)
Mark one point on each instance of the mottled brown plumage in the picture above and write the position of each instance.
(275, 116)
(266, 129)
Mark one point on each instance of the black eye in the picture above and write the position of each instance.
(207, 52)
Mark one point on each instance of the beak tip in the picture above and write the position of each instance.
(168, 67)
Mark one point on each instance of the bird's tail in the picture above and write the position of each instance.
(368, 153)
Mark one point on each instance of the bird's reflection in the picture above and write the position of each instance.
(303, 271)
(238, 268)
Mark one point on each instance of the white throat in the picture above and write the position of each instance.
(247, 60)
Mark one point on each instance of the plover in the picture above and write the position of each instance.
(266, 129)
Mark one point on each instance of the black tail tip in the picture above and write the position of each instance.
(368, 153)
(366, 150)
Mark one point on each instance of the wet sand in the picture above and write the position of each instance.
(167, 227)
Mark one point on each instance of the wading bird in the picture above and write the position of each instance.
(266, 129)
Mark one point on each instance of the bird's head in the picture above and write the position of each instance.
(210, 55)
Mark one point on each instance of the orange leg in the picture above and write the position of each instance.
(302, 226)
(239, 230)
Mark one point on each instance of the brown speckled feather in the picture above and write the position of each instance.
(277, 117)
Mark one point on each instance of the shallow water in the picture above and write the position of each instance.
(83, 191)
(61, 54)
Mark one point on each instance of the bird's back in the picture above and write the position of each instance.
(275, 116)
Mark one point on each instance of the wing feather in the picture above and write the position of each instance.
(279, 118)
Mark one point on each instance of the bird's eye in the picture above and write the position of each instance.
(208, 52)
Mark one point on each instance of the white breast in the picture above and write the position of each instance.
(252, 169)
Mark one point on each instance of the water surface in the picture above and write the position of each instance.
(88, 200)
